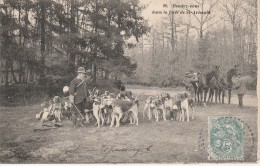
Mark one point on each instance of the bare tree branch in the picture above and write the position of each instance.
(194, 15)
(253, 16)
(210, 8)
(211, 25)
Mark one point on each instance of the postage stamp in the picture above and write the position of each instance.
(129, 81)
(226, 138)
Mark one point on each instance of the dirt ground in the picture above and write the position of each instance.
(149, 142)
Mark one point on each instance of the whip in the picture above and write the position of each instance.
(77, 110)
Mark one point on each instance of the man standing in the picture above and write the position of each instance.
(78, 95)
(240, 85)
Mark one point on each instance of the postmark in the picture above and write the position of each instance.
(220, 147)
(226, 138)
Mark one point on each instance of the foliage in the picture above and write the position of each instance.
(45, 41)
(201, 62)
(176, 43)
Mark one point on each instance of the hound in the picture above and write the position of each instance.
(155, 105)
(121, 107)
(98, 105)
(148, 101)
(185, 103)
(56, 108)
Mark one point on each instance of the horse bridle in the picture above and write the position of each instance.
(219, 83)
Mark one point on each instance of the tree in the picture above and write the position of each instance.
(204, 21)
(232, 13)
(109, 25)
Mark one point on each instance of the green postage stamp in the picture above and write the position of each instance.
(226, 138)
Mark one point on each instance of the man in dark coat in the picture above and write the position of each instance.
(78, 94)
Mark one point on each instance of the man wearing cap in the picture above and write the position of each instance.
(78, 93)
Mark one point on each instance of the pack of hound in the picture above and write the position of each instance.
(178, 107)
(108, 108)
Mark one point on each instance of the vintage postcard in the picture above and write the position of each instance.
(129, 81)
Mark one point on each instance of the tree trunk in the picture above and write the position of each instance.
(94, 72)
(94, 55)
(72, 57)
(106, 74)
(6, 73)
(186, 44)
(43, 42)
(12, 72)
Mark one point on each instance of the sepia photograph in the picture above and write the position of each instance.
(129, 81)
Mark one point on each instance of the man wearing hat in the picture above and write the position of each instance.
(78, 94)
(240, 86)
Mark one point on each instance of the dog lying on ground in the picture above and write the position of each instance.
(51, 111)
(43, 115)
(121, 107)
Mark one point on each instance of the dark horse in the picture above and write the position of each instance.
(204, 83)
(213, 85)
(225, 82)
(221, 83)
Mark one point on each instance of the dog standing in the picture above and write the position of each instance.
(121, 107)
(176, 111)
(185, 104)
(158, 108)
(98, 105)
(154, 106)
(148, 101)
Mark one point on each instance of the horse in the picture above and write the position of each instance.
(227, 83)
(213, 85)
(202, 87)
(214, 89)
(204, 83)
(198, 85)
(221, 83)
